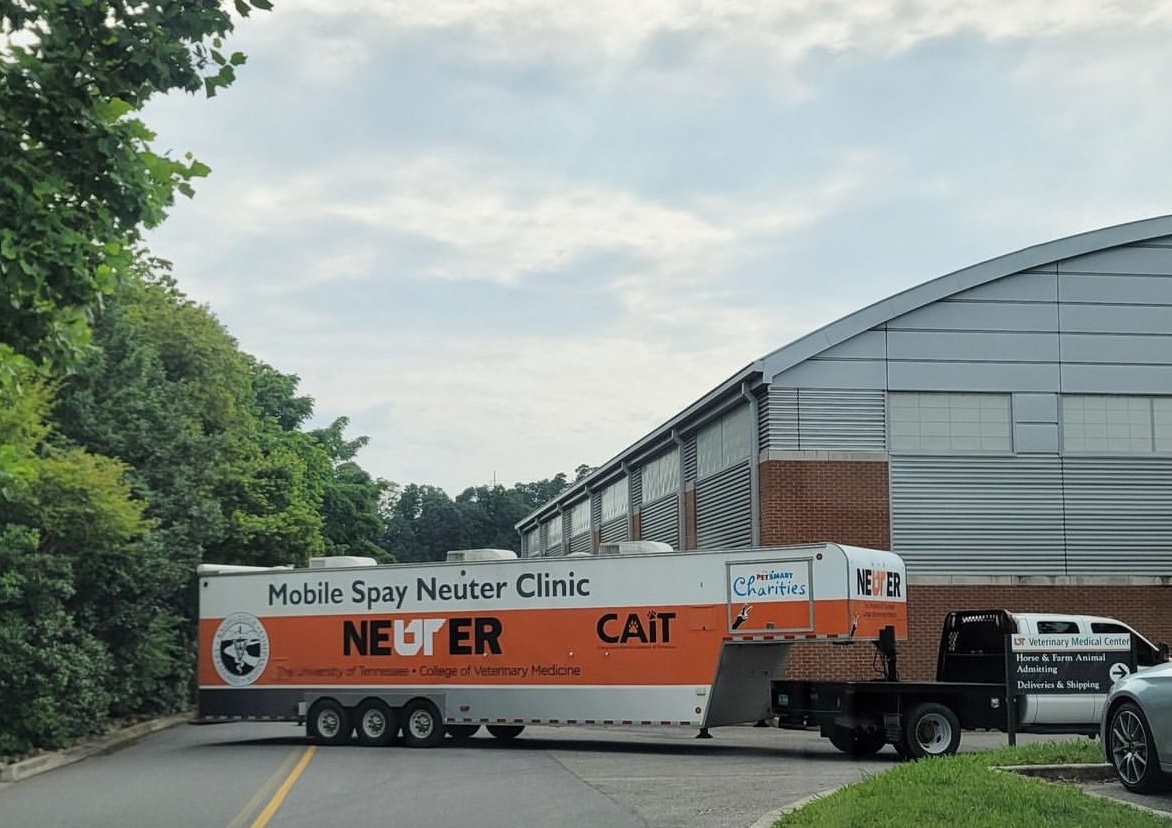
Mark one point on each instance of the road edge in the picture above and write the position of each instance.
(25, 768)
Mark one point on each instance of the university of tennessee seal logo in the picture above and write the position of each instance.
(240, 649)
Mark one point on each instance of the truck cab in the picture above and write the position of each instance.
(972, 648)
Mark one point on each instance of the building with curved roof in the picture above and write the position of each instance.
(1006, 428)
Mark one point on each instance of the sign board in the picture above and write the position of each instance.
(1067, 663)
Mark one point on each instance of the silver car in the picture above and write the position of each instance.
(1137, 729)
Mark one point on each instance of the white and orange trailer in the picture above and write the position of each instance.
(677, 638)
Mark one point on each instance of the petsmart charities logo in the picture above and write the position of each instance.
(240, 649)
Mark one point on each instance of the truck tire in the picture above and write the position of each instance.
(857, 743)
(506, 732)
(328, 723)
(461, 732)
(931, 729)
(1132, 750)
(375, 723)
(423, 727)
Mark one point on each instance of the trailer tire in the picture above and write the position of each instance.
(375, 723)
(857, 743)
(461, 732)
(328, 723)
(931, 729)
(506, 732)
(423, 727)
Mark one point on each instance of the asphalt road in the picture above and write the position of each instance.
(253, 775)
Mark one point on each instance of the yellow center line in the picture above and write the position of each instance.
(265, 815)
(241, 818)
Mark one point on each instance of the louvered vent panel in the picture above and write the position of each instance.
(842, 420)
(1118, 515)
(614, 531)
(724, 509)
(661, 521)
(781, 423)
(967, 515)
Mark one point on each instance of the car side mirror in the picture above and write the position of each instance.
(1163, 651)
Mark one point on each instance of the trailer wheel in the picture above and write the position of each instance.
(328, 723)
(422, 724)
(931, 730)
(858, 743)
(375, 723)
(461, 732)
(506, 732)
(1133, 751)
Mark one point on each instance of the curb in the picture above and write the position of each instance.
(1064, 773)
(101, 744)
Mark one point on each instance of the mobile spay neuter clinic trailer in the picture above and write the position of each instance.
(676, 638)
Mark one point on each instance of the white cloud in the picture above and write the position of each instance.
(528, 30)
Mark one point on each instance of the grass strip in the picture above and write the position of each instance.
(964, 791)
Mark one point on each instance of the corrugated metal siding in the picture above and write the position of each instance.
(762, 395)
(978, 515)
(842, 420)
(614, 531)
(781, 426)
(724, 509)
(660, 521)
(596, 509)
(636, 478)
(690, 457)
(832, 420)
(1118, 515)
(581, 543)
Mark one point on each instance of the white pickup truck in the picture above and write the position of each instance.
(996, 670)
(1062, 712)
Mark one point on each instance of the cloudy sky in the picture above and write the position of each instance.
(507, 237)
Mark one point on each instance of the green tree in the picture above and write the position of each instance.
(78, 177)
(491, 513)
(424, 524)
(52, 672)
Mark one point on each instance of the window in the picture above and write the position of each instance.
(661, 476)
(615, 502)
(553, 537)
(1057, 628)
(580, 519)
(1111, 424)
(960, 423)
(533, 542)
(1146, 654)
(724, 443)
(1162, 423)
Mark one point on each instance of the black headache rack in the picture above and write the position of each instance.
(972, 646)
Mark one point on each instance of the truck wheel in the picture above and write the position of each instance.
(375, 724)
(931, 730)
(506, 732)
(1132, 751)
(461, 732)
(857, 743)
(422, 725)
(328, 723)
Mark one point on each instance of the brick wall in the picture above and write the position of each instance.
(810, 501)
(1146, 608)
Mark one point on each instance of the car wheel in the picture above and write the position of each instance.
(857, 743)
(1133, 751)
(931, 730)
